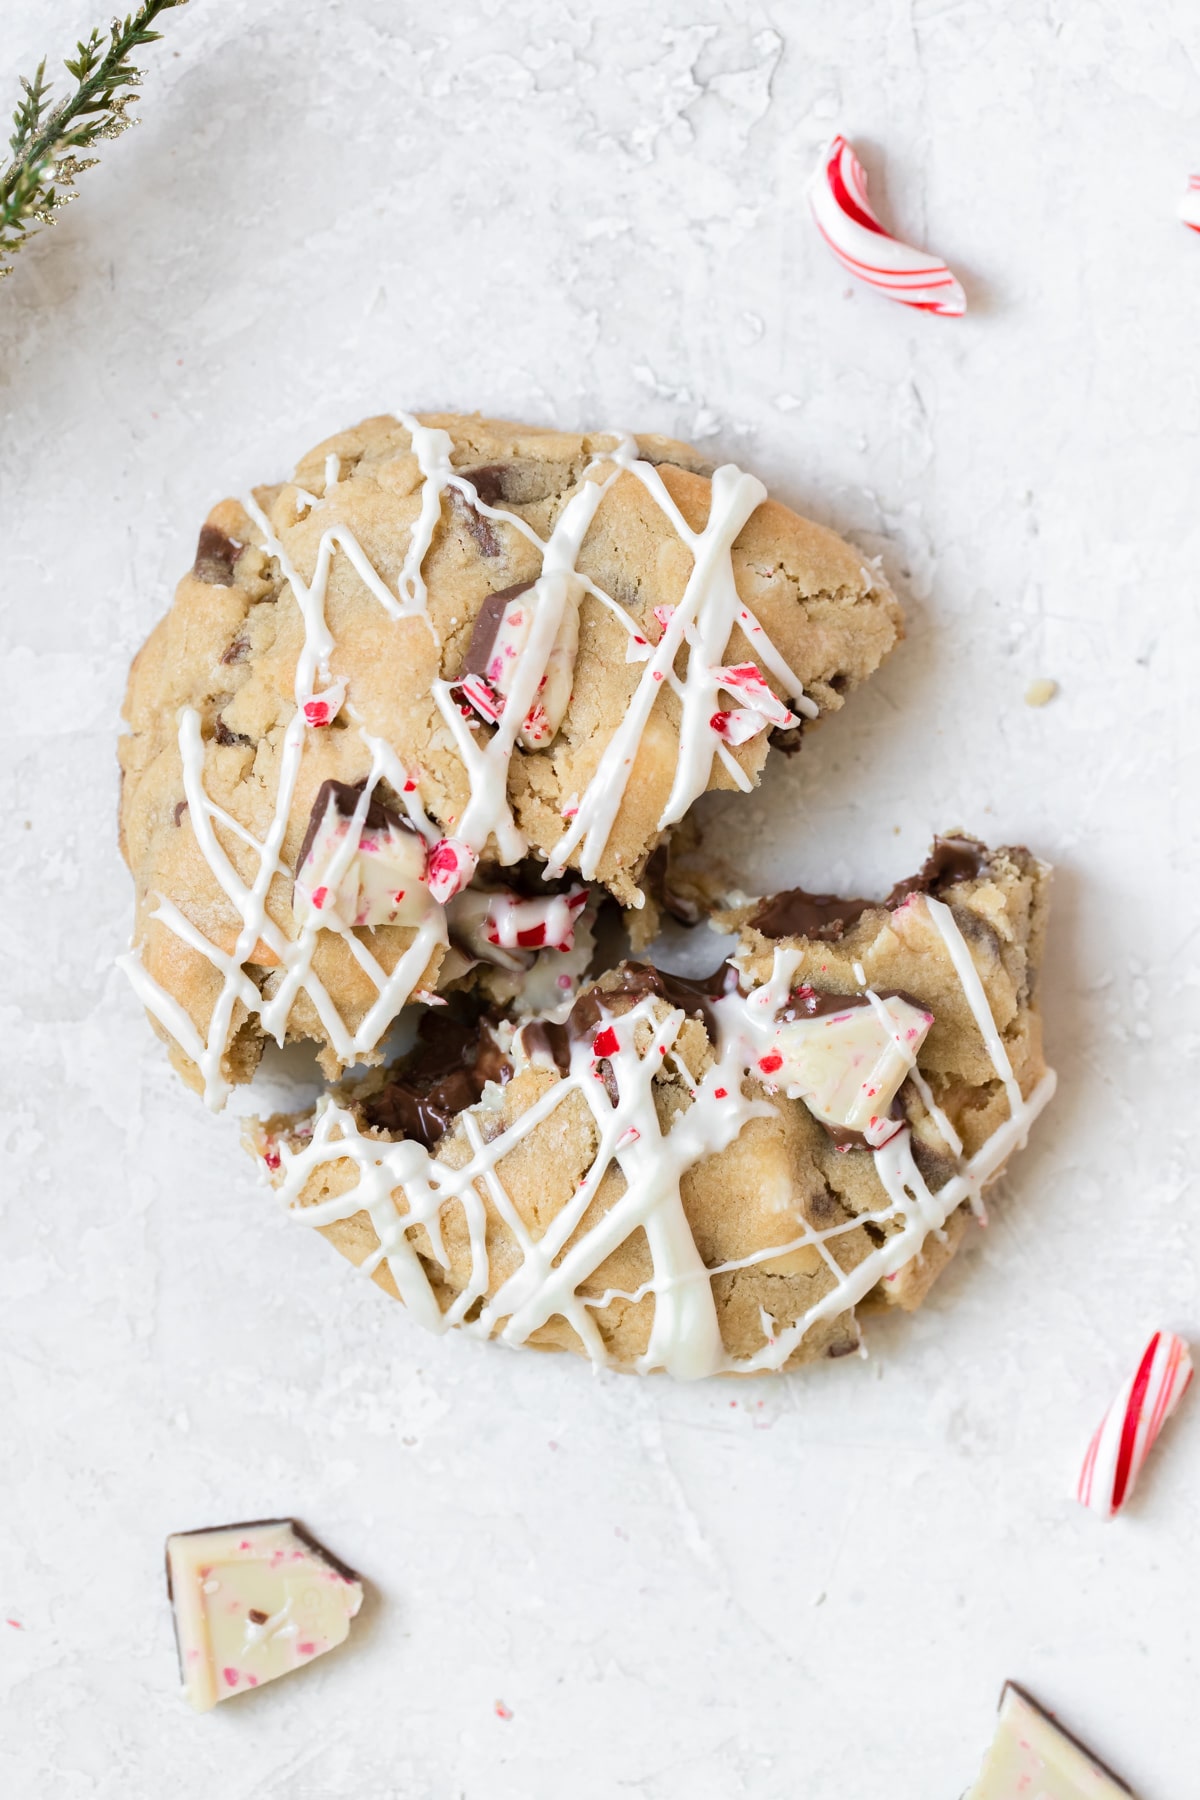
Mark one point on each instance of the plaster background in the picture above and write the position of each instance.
(593, 215)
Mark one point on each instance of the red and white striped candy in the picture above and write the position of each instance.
(451, 865)
(1189, 206)
(838, 196)
(1123, 1441)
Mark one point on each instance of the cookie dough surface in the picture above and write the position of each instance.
(322, 635)
(649, 1177)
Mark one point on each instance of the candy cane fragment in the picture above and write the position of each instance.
(838, 196)
(1127, 1432)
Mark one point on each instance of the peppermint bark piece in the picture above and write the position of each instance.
(252, 1602)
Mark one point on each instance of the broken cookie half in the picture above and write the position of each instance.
(252, 1602)
(450, 647)
(714, 1177)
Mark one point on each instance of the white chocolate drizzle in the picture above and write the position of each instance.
(703, 622)
(401, 1185)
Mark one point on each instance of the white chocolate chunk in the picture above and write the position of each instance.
(1031, 1755)
(348, 876)
(253, 1602)
(847, 1066)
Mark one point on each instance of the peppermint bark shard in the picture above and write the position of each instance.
(252, 1602)
(1032, 1755)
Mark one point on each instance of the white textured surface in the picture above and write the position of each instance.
(811, 1587)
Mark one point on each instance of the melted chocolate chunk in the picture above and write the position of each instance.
(454, 1059)
(215, 557)
(181, 807)
(822, 917)
(223, 734)
(543, 1036)
(641, 979)
(257, 1617)
(950, 860)
(806, 1003)
(526, 878)
(787, 739)
(657, 878)
(487, 538)
(826, 919)
(842, 1348)
(237, 651)
(346, 796)
(490, 481)
(487, 624)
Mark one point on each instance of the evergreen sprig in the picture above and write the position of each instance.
(46, 140)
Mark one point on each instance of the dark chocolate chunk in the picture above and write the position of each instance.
(256, 1617)
(487, 624)
(951, 859)
(822, 917)
(487, 538)
(491, 482)
(452, 1062)
(842, 1347)
(237, 651)
(346, 796)
(215, 557)
(807, 1003)
(223, 734)
(526, 878)
(637, 980)
(181, 807)
(787, 739)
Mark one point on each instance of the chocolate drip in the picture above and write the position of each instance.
(346, 796)
(825, 918)
(452, 1062)
(951, 859)
(487, 624)
(215, 557)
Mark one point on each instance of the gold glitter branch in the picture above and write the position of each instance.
(46, 140)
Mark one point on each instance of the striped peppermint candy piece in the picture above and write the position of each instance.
(838, 196)
(1126, 1433)
(1189, 206)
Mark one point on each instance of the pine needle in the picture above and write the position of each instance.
(46, 140)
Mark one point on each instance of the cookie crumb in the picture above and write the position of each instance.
(1040, 692)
